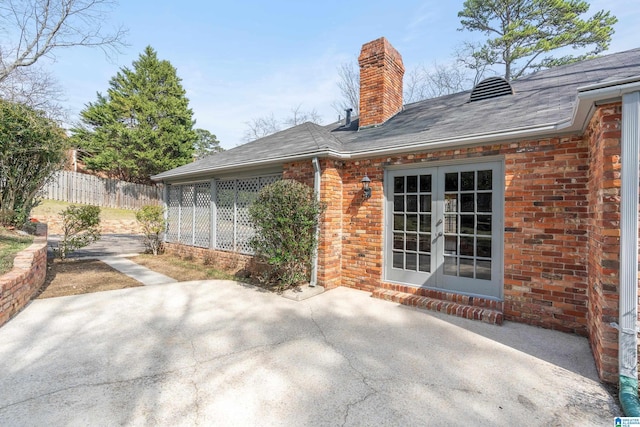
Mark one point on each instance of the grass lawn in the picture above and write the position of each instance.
(182, 270)
(54, 207)
(10, 244)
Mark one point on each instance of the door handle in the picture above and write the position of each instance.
(433, 242)
(439, 222)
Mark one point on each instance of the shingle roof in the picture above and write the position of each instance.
(544, 98)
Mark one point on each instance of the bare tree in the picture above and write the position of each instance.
(349, 85)
(298, 116)
(419, 83)
(38, 27)
(35, 88)
(438, 80)
(262, 126)
(468, 56)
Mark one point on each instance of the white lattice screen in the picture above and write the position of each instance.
(173, 213)
(190, 209)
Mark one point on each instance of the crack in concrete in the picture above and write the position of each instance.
(194, 383)
(193, 366)
(372, 391)
(89, 385)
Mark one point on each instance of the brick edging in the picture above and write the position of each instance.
(19, 285)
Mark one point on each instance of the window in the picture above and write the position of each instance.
(214, 214)
(443, 228)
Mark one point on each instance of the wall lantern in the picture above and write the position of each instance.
(366, 190)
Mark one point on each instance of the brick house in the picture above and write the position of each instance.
(504, 202)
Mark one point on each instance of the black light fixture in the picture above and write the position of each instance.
(366, 190)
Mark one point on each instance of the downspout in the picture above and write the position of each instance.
(165, 210)
(316, 190)
(628, 303)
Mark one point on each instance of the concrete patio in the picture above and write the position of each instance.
(223, 353)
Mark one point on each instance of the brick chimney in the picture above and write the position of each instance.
(381, 72)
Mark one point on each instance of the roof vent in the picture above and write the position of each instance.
(492, 87)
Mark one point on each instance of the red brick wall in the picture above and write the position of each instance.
(18, 286)
(546, 216)
(604, 237)
(546, 233)
(225, 260)
(381, 72)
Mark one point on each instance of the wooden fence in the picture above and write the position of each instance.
(74, 187)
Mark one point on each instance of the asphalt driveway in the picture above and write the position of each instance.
(221, 353)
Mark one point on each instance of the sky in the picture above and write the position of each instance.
(240, 60)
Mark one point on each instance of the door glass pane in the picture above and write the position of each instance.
(398, 260)
(398, 184)
(466, 245)
(451, 245)
(484, 224)
(398, 203)
(425, 223)
(425, 203)
(451, 203)
(411, 261)
(450, 266)
(398, 241)
(467, 181)
(466, 267)
(483, 270)
(412, 222)
(425, 243)
(398, 222)
(411, 242)
(412, 184)
(484, 202)
(451, 181)
(484, 247)
(485, 179)
(467, 202)
(466, 224)
(424, 263)
(425, 183)
(412, 203)
(451, 223)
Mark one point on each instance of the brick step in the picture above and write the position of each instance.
(483, 314)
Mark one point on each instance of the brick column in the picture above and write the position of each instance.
(330, 243)
(604, 237)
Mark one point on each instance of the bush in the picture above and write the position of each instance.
(285, 215)
(151, 219)
(80, 227)
(31, 148)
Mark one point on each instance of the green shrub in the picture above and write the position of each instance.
(80, 228)
(32, 147)
(151, 219)
(285, 215)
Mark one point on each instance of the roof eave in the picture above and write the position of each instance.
(258, 163)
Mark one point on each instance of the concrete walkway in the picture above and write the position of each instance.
(136, 271)
(223, 353)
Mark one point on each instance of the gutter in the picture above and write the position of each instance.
(316, 191)
(628, 298)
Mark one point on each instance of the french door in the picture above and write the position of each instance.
(444, 228)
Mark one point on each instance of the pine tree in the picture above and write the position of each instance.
(522, 32)
(142, 126)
